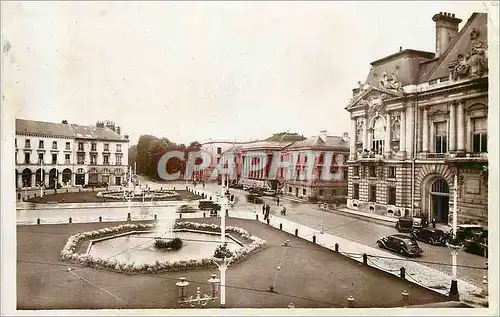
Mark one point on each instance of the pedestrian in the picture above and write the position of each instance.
(278, 201)
(263, 209)
(433, 222)
(268, 208)
(232, 197)
(203, 184)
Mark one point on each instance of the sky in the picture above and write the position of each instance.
(204, 70)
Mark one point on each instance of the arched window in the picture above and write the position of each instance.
(378, 136)
(396, 132)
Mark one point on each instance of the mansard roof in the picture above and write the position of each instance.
(322, 142)
(51, 129)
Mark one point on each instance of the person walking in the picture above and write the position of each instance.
(268, 209)
(277, 201)
(263, 209)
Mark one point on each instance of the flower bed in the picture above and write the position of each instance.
(68, 253)
(158, 194)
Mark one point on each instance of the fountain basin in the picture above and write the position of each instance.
(245, 245)
(138, 247)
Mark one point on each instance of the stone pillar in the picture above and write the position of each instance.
(19, 180)
(365, 135)
(353, 138)
(33, 179)
(453, 129)
(432, 136)
(86, 178)
(425, 131)
(46, 178)
(469, 134)
(460, 127)
(409, 129)
(402, 132)
(388, 129)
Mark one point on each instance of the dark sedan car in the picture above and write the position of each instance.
(430, 235)
(400, 243)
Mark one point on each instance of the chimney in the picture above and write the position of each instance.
(345, 136)
(118, 130)
(446, 30)
(323, 134)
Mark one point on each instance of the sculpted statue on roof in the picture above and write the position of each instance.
(472, 64)
(390, 82)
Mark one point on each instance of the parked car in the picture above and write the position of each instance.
(96, 185)
(269, 193)
(400, 243)
(474, 238)
(186, 209)
(408, 224)
(52, 186)
(431, 236)
(208, 205)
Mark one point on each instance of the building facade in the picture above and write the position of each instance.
(72, 155)
(419, 119)
(317, 186)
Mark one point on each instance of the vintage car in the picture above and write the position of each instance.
(474, 238)
(408, 224)
(186, 209)
(208, 205)
(400, 243)
(431, 236)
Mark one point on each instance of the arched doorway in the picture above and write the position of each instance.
(52, 177)
(440, 200)
(26, 177)
(80, 177)
(66, 176)
(39, 176)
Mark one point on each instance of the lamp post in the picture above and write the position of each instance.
(42, 176)
(222, 264)
(454, 246)
(198, 300)
(321, 206)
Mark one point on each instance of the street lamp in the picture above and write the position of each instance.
(321, 206)
(198, 300)
(454, 245)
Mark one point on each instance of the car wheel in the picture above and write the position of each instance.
(402, 252)
(380, 245)
(431, 241)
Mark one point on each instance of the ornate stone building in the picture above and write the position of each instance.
(419, 119)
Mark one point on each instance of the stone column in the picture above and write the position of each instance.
(425, 131)
(365, 135)
(410, 127)
(86, 178)
(19, 180)
(402, 132)
(388, 129)
(469, 134)
(460, 127)
(353, 138)
(33, 179)
(453, 129)
(46, 178)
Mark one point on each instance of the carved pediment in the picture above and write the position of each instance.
(372, 99)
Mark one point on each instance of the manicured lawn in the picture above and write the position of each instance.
(91, 197)
(310, 276)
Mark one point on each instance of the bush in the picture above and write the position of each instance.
(174, 244)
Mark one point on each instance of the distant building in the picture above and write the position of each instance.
(74, 155)
(419, 119)
(316, 187)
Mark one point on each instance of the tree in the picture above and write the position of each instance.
(132, 155)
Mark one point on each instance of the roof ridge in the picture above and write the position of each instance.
(445, 54)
